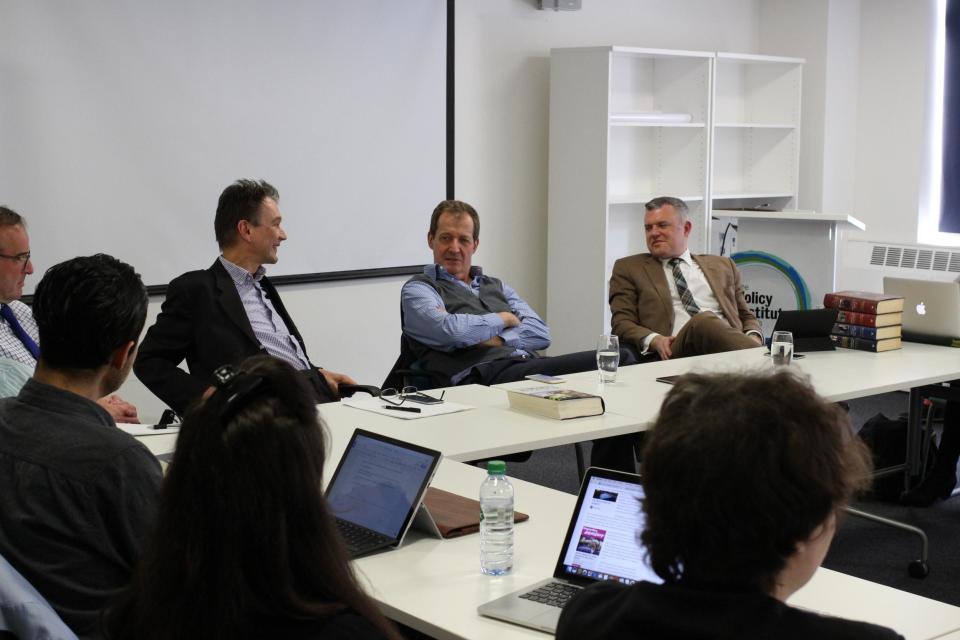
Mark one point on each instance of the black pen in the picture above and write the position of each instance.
(407, 409)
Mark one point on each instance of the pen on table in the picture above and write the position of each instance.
(407, 409)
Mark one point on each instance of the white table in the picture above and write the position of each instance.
(435, 585)
(490, 429)
(836, 375)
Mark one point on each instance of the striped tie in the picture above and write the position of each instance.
(686, 298)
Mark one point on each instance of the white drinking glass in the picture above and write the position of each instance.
(608, 357)
(781, 347)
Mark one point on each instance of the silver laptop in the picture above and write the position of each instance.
(930, 309)
(601, 544)
(378, 489)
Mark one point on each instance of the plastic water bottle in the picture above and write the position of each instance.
(496, 521)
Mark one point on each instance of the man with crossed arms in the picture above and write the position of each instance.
(475, 329)
(676, 304)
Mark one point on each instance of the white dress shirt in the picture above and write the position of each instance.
(698, 286)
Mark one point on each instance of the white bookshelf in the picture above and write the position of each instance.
(756, 132)
(626, 125)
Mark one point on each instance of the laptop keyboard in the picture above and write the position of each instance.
(360, 540)
(555, 594)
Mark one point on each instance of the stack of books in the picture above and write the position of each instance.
(866, 321)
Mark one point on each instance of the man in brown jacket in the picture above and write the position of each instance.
(676, 304)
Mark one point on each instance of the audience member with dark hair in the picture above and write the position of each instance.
(245, 546)
(744, 476)
(77, 494)
(229, 311)
(19, 340)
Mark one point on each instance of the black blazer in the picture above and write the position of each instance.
(203, 322)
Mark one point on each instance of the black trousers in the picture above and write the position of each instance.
(610, 453)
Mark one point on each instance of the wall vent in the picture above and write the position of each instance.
(905, 257)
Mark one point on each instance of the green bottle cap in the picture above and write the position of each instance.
(496, 467)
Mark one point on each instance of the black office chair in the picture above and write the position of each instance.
(407, 371)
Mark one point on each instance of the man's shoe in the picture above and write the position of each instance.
(936, 486)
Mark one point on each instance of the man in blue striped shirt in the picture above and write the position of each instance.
(469, 327)
(230, 311)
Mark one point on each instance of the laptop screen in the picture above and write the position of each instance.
(602, 543)
(379, 482)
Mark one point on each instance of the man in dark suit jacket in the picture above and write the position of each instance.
(230, 311)
(676, 304)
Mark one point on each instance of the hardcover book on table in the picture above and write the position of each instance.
(869, 319)
(555, 403)
(870, 333)
(862, 344)
(863, 302)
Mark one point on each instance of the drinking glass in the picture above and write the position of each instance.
(781, 347)
(608, 357)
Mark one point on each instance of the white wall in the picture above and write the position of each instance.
(895, 55)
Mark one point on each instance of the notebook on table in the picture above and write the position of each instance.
(931, 310)
(377, 490)
(601, 544)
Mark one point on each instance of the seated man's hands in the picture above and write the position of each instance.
(662, 345)
(756, 338)
(334, 380)
(119, 409)
(509, 320)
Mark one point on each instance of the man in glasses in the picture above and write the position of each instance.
(19, 341)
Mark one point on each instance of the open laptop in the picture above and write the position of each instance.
(930, 309)
(811, 328)
(377, 490)
(601, 544)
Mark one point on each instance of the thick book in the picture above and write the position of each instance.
(456, 515)
(863, 302)
(555, 403)
(869, 319)
(870, 333)
(862, 344)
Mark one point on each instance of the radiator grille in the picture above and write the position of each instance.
(915, 258)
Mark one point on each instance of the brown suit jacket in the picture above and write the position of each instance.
(640, 297)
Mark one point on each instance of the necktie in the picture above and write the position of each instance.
(7, 314)
(686, 298)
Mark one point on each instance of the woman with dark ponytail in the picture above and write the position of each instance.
(244, 545)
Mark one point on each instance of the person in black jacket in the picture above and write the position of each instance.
(744, 476)
(230, 311)
(245, 545)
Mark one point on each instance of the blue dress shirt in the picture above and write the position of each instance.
(426, 320)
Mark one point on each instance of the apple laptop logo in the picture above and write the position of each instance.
(921, 309)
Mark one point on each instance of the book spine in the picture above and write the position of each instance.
(855, 331)
(861, 344)
(857, 318)
(844, 303)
